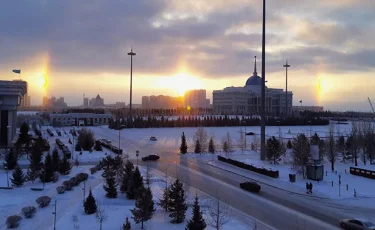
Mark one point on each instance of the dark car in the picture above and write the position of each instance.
(152, 157)
(153, 139)
(250, 186)
(356, 224)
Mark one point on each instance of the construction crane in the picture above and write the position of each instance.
(372, 107)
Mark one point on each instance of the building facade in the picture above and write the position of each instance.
(79, 119)
(196, 98)
(11, 93)
(246, 100)
(161, 102)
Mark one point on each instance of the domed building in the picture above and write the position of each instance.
(246, 100)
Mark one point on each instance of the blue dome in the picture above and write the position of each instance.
(254, 80)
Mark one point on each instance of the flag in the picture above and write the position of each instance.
(17, 71)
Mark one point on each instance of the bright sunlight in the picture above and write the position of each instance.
(181, 82)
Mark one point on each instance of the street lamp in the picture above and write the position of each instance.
(286, 87)
(131, 54)
(73, 142)
(244, 122)
(6, 169)
(263, 90)
(137, 155)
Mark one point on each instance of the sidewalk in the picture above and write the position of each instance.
(262, 179)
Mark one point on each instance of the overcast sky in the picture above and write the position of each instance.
(81, 47)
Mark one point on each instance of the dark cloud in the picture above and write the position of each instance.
(95, 37)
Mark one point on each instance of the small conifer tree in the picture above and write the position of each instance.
(127, 225)
(64, 166)
(211, 146)
(164, 200)
(197, 147)
(90, 204)
(183, 147)
(55, 160)
(196, 222)
(18, 177)
(48, 170)
(137, 182)
(144, 207)
(11, 159)
(110, 187)
(177, 205)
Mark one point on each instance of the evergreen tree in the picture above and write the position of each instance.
(211, 146)
(177, 205)
(126, 174)
(183, 147)
(98, 146)
(11, 159)
(110, 187)
(225, 147)
(127, 225)
(78, 147)
(90, 204)
(18, 177)
(55, 160)
(144, 207)
(315, 139)
(196, 222)
(137, 182)
(35, 159)
(197, 147)
(289, 145)
(24, 134)
(165, 199)
(130, 194)
(64, 166)
(48, 170)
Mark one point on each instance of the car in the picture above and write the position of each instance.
(152, 157)
(250, 186)
(357, 223)
(153, 139)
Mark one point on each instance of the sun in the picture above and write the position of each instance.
(42, 81)
(323, 87)
(183, 82)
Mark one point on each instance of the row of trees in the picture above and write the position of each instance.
(212, 121)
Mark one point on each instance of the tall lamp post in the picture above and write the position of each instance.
(286, 87)
(263, 110)
(6, 169)
(131, 54)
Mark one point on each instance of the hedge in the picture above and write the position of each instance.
(267, 172)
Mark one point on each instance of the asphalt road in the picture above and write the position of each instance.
(274, 207)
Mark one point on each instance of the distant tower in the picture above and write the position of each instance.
(83, 100)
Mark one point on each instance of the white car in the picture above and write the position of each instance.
(153, 139)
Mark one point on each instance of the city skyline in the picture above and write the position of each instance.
(190, 45)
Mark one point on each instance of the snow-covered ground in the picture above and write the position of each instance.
(70, 204)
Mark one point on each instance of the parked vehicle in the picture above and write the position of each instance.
(357, 224)
(152, 157)
(153, 139)
(250, 186)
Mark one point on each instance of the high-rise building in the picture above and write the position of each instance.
(85, 102)
(161, 102)
(53, 102)
(195, 98)
(97, 101)
(145, 102)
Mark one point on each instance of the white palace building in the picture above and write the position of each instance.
(246, 100)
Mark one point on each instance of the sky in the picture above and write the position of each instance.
(70, 48)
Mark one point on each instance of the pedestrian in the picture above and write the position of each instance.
(311, 186)
(307, 187)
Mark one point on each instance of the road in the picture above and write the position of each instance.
(277, 208)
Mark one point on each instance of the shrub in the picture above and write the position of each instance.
(60, 189)
(28, 211)
(95, 169)
(74, 181)
(43, 201)
(68, 185)
(55, 177)
(270, 173)
(250, 186)
(13, 221)
(78, 147)
(86, 139)
(82, 176)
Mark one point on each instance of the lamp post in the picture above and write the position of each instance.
(84, 192)
(73, 143)
(54, 216)
(263, 90)
(131, 54)
(137, 155)
(6, 169)
(244, 122)
(286, 87)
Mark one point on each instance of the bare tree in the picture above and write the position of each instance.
(255, 144)
(227, 144)
(301, 153)
(202, 136)
(148, 175)
(331, 147)
(242, 140)
(355, 145)
(219, 213)
(101, 215)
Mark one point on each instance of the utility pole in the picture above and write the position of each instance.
(263, 110)
(84, 192)
(286, 87)
(131, 54)
(54, 217)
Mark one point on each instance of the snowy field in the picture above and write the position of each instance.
(70, 204)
